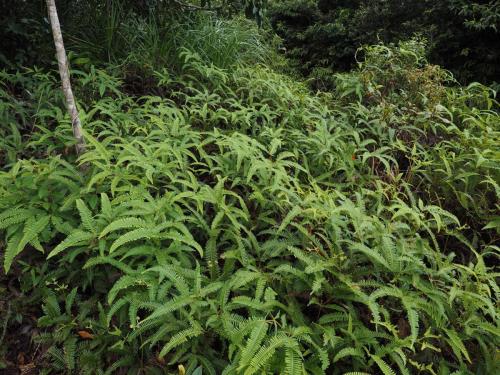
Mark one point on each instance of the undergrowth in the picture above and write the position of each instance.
(239, 224)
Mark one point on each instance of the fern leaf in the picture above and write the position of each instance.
(383, 366)
(86, 216)
(32, 229)
(70, 299)
(123, 223)
(122, 283)
(171, 273)
(347, 352)
(181, 337)
(114, 308)
(253, 343)
(122, 266)
(57, 356)
(265, 353)
(13, 211)
(188, 240)
(297, 210)
(14, 216)
(51, 307)
(211, 254)
(106, 206)
(171, 306)
(69, 350)
(372, 254)
(293, 362)
(457, 345)
(134, 235)
(414, 324)
(75, 238)
(10, 251)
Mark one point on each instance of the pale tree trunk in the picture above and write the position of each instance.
(64, 72)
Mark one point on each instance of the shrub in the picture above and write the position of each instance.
(322, 36)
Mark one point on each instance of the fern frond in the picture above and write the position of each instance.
(123, 223)
(293, 362)
(383, 366)
(122, 266)
(86, 216)
(347, 352)
(14, 216)
(172, 274)
(114, 308)
(181, 337)
(171, 306)
(32, 228)
(457, 345)
(134, 235)
(279, 341)
(11, 250)
(253, 343)
(106, 209)
(76, 238)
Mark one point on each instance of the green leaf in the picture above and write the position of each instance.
(181, 337)
(32, 228)
(253, 343)
(11, 250)
(86, 216)
(383, 366)
(457, 345)
(123, 223)
(134, 235)
(76, 238)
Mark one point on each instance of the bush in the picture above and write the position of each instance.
(321, 37)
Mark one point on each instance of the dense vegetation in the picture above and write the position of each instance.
(225, 219)
(322, 36)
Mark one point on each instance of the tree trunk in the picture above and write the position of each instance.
(64, 72)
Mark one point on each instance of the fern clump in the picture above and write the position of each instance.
(242, 225)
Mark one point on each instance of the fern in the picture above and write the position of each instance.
(457, 345)
(253, 344)
(14, 216)
(383, 366)
(171, 306)
(347, 352)
(74, 239)
(293, 362)
(239, 224)
(134, 235)
(86, 216)
(123, 223)
(11, 250)
(182, 337)
(279, 341)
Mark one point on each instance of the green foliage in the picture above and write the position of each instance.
(322, 36)
(153, 42)
(239, 224)
(143, 34)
